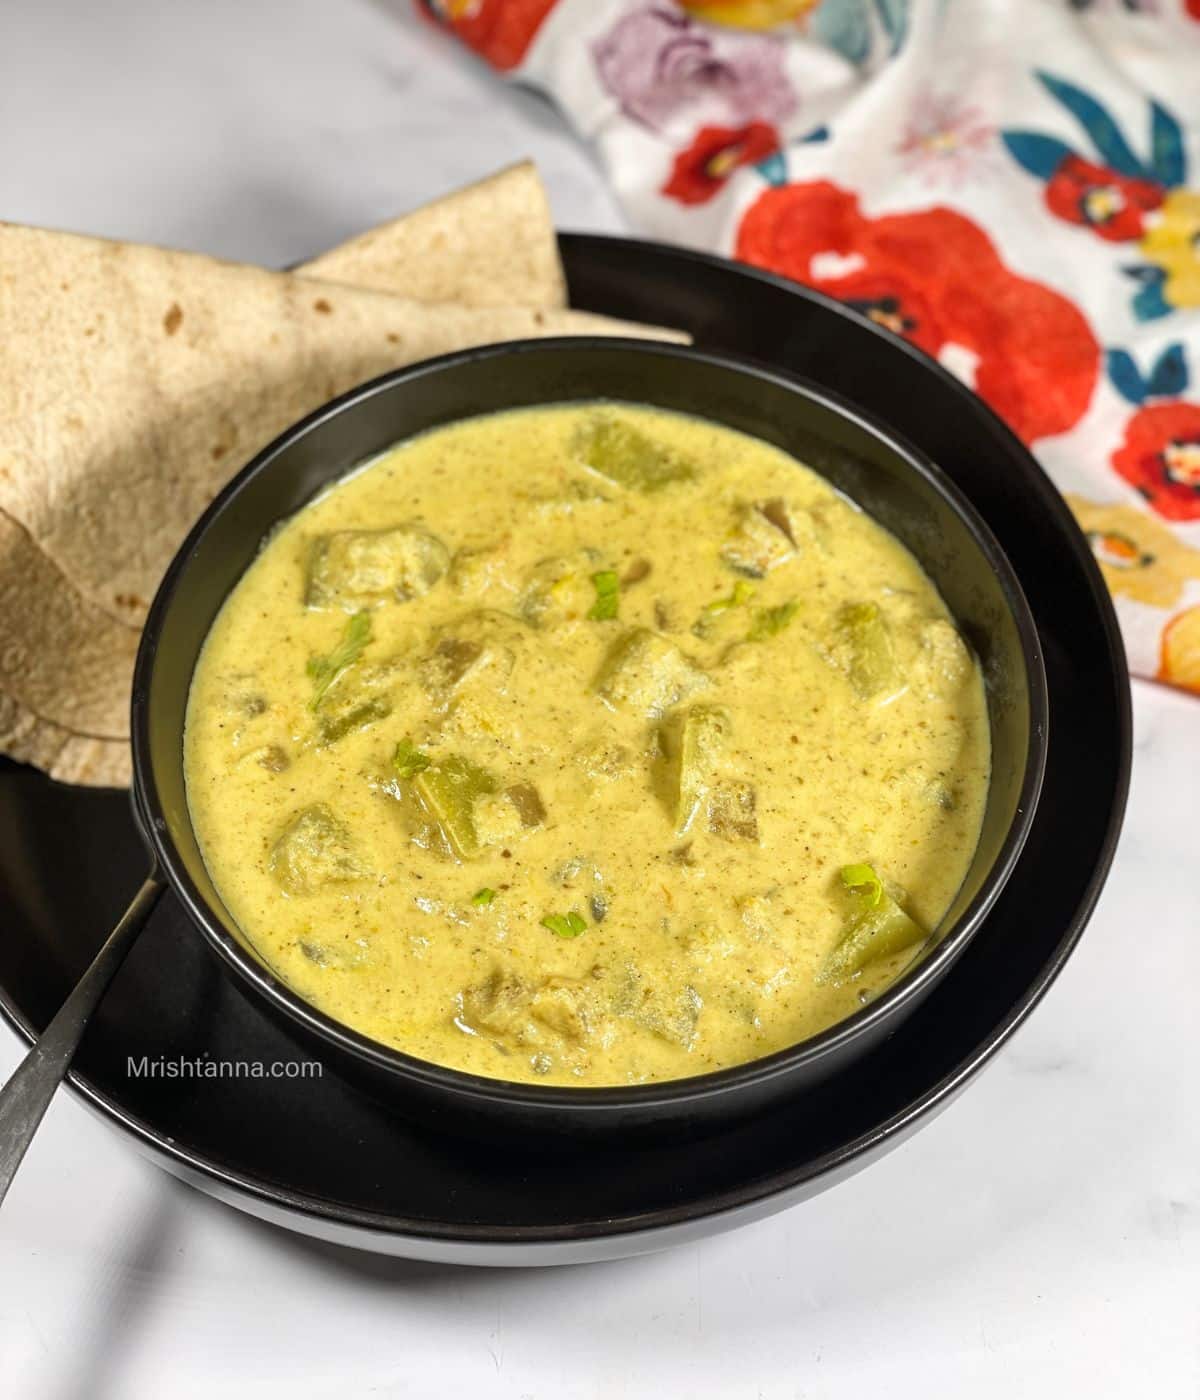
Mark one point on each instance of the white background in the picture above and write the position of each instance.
(1041, 1238)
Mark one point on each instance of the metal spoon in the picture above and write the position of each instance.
(26, 1096)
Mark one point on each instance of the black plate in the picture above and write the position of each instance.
(321, 1158)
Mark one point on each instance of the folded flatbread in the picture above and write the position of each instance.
(134, 380)
(490, 244)
(71, 758)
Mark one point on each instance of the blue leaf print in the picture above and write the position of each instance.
(1040, 155)
(773, 169)
(1106, 135)
(845, 26)
(849, 26)
(1125, 375)
(1166, 147)
(1169, 377)
(1167, 380)
(1149, 303)
(893, 15)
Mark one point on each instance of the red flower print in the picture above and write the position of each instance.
(1110, 204)
(934, 277)
(1161, 458)
(500, 30)
(715, 153)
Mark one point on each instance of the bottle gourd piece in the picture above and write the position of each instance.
(879, 928)
(618, 451)
(312, 851)
(658, 1004)
(560, 589)
(693, 743)
(362, 696)
(515, 1011)
(860, 646)
(357, 569)
(446, 792)
(762, 539)
(646, 673)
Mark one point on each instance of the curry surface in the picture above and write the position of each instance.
(780, 694)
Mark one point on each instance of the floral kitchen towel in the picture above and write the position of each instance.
(1013, 185)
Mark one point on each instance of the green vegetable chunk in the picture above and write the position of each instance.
(482, 898)
(569, 925)
(451, 659)
(325, 670)
(879, 928)
(943, 663)
(742, 593)
(312, 851)
(408, 760)
(645, 672)
(762, 539)
(717, 612)
(862, 881)
(555, 1013)
(362, 695)
(653, 999)
(478, 649)
(622, 454)
(349, 720)
(693, 745)
(861, 647)
(560, 589)
(769, 622)
(356, 569)
(447, 791)
(608, 593)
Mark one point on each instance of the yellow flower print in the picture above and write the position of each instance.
(750, 14)
(1137, 556)
(1179, 662)
(1174, 245)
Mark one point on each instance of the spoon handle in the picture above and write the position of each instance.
(26, 1096)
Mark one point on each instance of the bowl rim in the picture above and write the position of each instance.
(673, 1093)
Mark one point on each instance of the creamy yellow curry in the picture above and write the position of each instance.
(587, 744)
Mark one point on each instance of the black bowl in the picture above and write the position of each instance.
(903, 491)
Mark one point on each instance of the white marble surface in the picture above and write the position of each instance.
(1041, 1237)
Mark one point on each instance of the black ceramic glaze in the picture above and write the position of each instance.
(898, 487)
(326, 1160)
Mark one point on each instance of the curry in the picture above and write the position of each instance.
(586, 745)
